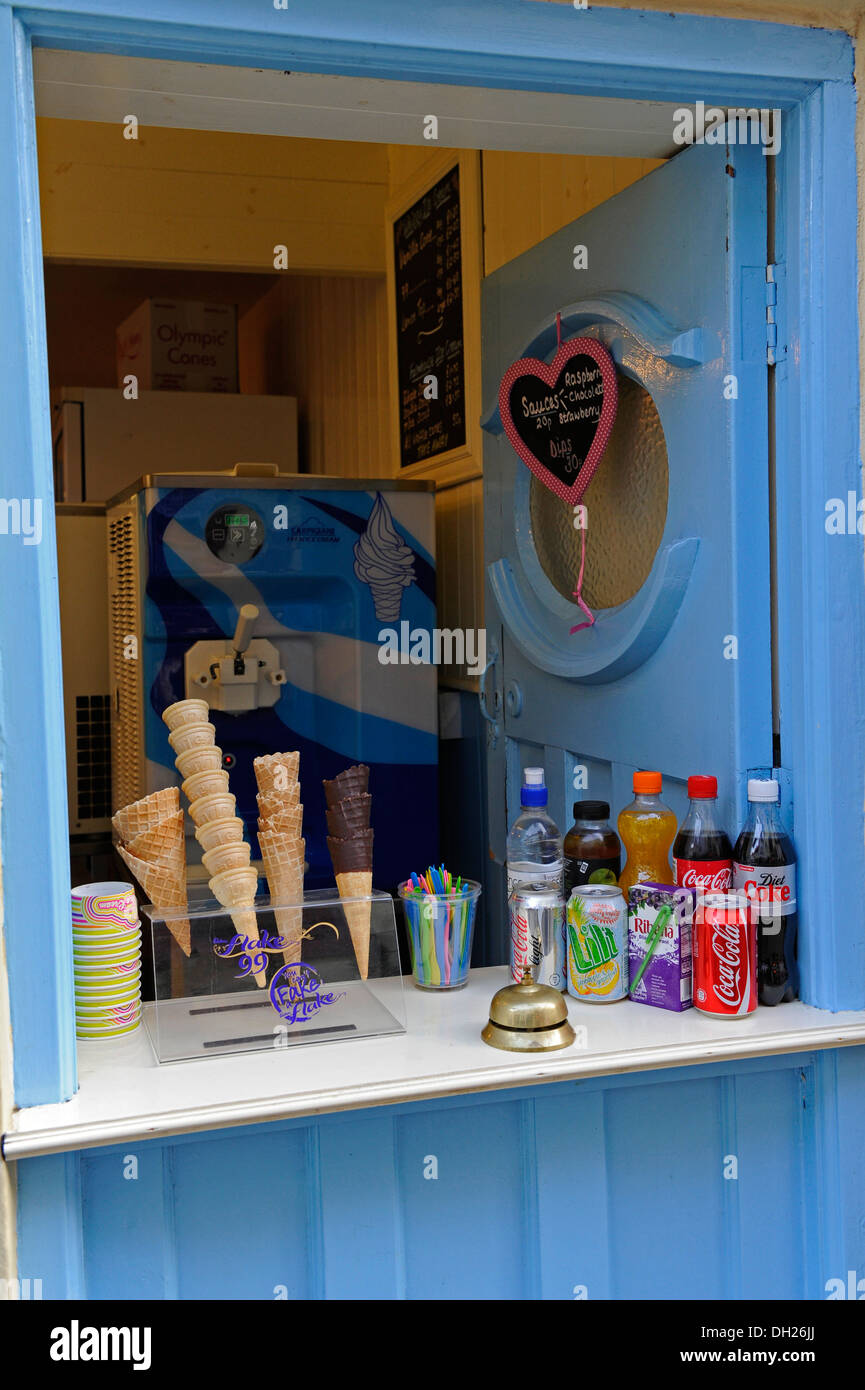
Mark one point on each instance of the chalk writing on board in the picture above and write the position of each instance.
(558, 424)
(429, 327)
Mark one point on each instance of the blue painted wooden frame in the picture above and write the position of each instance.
(498, 43)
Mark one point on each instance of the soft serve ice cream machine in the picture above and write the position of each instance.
(267, 597)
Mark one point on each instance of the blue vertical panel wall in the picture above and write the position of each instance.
(726, 1181)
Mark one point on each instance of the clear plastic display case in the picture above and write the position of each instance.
(267, 975)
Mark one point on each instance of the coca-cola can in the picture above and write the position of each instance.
(538, 934)
(725, 955)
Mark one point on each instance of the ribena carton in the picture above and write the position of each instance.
(666, 980)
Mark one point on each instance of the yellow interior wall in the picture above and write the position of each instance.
(209, 199)
(527, 197)
(196, 201)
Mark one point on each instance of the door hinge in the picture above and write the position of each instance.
(776, 340)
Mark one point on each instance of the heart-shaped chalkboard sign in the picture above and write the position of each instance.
(558, 415)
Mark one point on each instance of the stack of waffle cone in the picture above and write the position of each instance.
(152, 846)
(350, 844)
(280, 821)
(218, 830)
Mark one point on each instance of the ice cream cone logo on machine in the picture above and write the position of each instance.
(383, 561)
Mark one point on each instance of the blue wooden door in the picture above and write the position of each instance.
(676, 672)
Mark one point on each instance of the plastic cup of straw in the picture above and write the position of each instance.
(440, 927)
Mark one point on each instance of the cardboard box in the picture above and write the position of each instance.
(179, 345)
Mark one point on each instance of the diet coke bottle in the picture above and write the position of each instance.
(764, 868)
(702, 853)
(725, 955)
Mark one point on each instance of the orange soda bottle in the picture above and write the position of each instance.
(647, 829)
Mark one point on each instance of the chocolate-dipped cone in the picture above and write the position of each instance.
(353, 781)
(352, 855)
(348, 816)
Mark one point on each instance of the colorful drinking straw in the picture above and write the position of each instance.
(440, 915)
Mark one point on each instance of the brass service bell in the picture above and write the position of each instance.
(528, 1018)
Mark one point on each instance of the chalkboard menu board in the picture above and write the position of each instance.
(429, 324)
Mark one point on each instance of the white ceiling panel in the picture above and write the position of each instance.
(107, 87)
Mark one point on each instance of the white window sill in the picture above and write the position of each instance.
(125, 1095)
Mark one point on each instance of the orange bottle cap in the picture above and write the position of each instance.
(647, 783)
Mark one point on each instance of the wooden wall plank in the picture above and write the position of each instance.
(332, 329)
(244, 1215)
(129, 1191)
(463, 1236)
(663, 1151)
(770, 1147)
(207, 199)
(573, 1196)
(362, 1232)
(528, 197)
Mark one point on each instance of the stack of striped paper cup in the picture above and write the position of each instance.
(106, 952)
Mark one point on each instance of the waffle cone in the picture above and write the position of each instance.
(271, 803)
(226, 831)
(283, 864)
(141, 815)
(288, 822)
(235, 889)
(165, 886)
(159, 844)
(352, 781)
(276, 772)
(357, 914)
(186, 712)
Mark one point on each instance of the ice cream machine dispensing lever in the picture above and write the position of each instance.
(246, 620)
(240, 673)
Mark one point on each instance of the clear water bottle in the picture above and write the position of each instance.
(535, 853)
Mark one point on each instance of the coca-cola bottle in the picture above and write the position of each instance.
(702, 853)
(764, 867)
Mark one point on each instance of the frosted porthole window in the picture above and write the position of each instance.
(627, 507)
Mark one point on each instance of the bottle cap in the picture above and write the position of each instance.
(647, 783)
(762, 789)
(534, 793)
(591, 810)
(702, 786)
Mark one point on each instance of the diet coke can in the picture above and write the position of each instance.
(725, 955)
(538, 934)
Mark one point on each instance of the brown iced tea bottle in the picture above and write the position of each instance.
(593, 851)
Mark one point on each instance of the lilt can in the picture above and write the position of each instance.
(597, 939)
(725, 955)
(537, 934)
